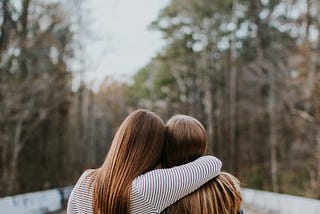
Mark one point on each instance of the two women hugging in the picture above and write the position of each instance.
(152, 167)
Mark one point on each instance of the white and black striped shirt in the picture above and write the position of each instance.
(153, 191)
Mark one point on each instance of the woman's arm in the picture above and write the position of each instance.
(158, 189)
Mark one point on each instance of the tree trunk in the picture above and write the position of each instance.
(316, 184)
(6, 27)
(81, 134)
(232, 94)
(273, 133)
(209, 113)
(91, 131)
(23, 39)
(208, 97)
(13, 164)
(5, 169)
(313, 62)
(271, 100)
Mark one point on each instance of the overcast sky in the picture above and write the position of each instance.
(121, 42)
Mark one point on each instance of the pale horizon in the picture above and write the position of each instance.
(123, 43)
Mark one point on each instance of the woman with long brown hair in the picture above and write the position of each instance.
(186, 140)
(124, 182)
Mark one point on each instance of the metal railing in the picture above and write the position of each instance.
(41, 202)
(53, 200)
(280, 203)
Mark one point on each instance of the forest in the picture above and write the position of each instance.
(249, 70)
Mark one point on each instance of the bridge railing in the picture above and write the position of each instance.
(53, 200)
(280, 203)
(41, 202)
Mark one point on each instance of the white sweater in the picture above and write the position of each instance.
(153, 191)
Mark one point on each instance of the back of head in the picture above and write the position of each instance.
(135, 149)
(220, 195)
(186, 140)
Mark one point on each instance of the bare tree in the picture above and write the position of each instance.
(233, 90)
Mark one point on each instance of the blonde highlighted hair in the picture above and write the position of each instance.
(220, 195)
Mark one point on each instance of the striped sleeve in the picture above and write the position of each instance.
(80, 199)
(154, 191)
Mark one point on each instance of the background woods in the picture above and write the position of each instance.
(45, 127)
(249, 70)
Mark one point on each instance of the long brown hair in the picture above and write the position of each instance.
(135, 149)
(186, 140)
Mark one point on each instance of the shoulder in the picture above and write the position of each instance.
(86, 181)
(80, 200)
(88, 175)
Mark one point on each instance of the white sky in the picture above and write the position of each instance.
(120, 43)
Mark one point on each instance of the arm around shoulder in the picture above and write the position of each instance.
(163, 187)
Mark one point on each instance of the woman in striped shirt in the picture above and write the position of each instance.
(186, 140)
(124, 182)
